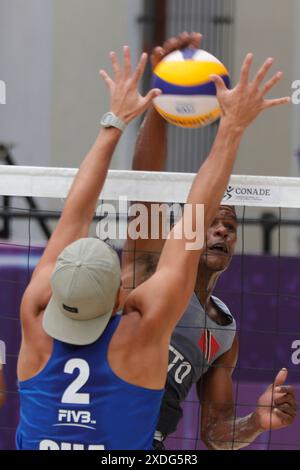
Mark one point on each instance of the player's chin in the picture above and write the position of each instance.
(215, 261)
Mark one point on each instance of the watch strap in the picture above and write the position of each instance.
(111, 120)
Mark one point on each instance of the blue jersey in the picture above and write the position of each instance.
(77, 403)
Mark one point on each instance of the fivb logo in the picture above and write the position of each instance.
(2, 353)
(75, 418)
(2, 92)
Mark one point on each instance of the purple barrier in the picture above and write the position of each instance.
(14, 275)
(246, 394)
(263, 295)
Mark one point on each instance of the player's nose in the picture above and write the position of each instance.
(221, 231)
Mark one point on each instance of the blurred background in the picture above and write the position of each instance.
(50, 55)
(51, 52)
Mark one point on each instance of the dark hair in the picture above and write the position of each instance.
(230, 208)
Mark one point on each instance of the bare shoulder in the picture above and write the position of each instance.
(36, 345)
(35, 298)
(133, 333)
(135, 355)
(31, 314)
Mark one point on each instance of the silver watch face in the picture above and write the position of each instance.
(107, 119)
(110, 120)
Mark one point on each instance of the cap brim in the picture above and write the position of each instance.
(67, 330)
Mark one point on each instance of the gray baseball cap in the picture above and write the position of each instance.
(85, 284)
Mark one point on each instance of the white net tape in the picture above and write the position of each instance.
(256, 191)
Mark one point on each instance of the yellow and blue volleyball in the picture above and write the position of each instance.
(188, 96)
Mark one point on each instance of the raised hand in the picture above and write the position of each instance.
(182, 41)
(126, 101)
(242, 105)
(277, 406)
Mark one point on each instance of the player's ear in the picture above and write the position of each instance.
(118, 299)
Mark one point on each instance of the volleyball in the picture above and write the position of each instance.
(188, 96)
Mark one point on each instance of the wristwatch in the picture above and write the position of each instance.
(111, 120)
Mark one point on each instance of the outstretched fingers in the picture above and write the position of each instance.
(126, 73)
(245, 70)
(140, 68)
(109, 82)
(277, 102)
(261, 74)
(219, 82)
(150, 97)
(127, 62)
(115, 65)
(272, 82)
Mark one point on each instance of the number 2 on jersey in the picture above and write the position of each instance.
(71, 394)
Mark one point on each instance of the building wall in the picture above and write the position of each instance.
(84, 34)
(50, 55)
(267, 29)
(26, 67)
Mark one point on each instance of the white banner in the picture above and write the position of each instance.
(243, 190)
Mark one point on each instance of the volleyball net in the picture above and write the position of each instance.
(261, 287)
